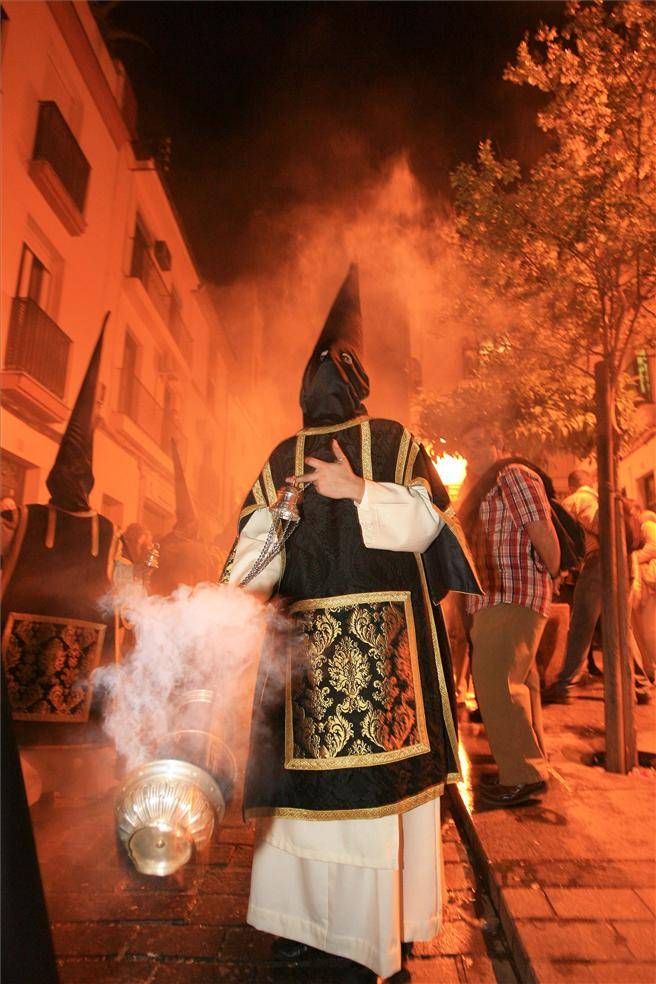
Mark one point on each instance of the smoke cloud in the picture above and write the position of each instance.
(410, 278)
(205, 638)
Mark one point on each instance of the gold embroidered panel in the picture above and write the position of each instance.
(353, 695)
(48, 662)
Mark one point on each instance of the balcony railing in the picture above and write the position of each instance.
(37, 346)
(56, 144)
(145, 269)
(140, 406)
(136, 402)
(180, 332)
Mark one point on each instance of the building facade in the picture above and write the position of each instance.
(89, 227)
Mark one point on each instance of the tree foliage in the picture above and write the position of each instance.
(569, 249)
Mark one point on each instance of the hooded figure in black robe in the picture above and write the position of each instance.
(355, 717)
(183, 557)
(57, 571)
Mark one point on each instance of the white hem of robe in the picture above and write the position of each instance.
(361, 913)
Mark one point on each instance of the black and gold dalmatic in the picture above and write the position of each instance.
(354, 713)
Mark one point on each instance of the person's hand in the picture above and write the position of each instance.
(334, 479)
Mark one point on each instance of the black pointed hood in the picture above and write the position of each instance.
(71, 477)
(334, 381)
(186, 519)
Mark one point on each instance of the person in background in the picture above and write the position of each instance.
(136, 545)
(183, 557)
(583, 504)
(643, 595)
(507, 518)
(56, 626)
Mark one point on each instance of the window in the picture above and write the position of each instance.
(35, 343)
(144, 268)
(112, 509)
(139, 250)
(129, 375)
(12, 477)
(647, 486)
(33, 278)
(55, 143)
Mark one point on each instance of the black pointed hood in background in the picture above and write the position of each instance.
(186, 521)
(71, 477)
(334, 381)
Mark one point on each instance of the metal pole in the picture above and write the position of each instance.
(613, 702)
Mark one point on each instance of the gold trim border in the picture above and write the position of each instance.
(328, 428)
(365, 813)
(299, 458)
(267, 481)
(365, 438)
(420, 747)
(410, 464)
(258, 494)
(247, 510)
(444, 694)
(402, 456)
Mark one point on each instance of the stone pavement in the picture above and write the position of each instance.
(111, 924)
(573, 877)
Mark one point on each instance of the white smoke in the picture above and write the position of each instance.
(202, 638)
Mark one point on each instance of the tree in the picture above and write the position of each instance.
(570, 247)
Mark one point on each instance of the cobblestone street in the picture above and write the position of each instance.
(111, 924)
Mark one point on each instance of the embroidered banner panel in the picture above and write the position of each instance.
(353, 693)
(48, 663)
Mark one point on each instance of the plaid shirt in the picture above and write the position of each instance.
(510, 570)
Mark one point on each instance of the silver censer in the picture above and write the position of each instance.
(166, 810)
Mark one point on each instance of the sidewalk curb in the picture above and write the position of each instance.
(485, 869)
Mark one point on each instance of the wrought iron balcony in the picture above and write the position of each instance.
(37, 346)
(140, 406)
(59, 167)
(145, 269)
(180, 332)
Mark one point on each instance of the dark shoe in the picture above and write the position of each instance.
(555, 695)
(288, 949)
(512, 795)
(355, 973)
(643, 697)
(406, 949)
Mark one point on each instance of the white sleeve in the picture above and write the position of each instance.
(393, 517)
(250, 543)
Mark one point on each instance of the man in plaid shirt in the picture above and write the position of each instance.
(515, 547)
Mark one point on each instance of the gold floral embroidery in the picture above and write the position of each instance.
(48, 665)
(349, 674)
(357, 682)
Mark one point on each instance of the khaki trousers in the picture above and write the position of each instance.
(505, 639)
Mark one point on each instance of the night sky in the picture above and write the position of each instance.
(274, 105)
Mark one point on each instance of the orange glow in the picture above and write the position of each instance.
(465, 785)
(452, 469)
